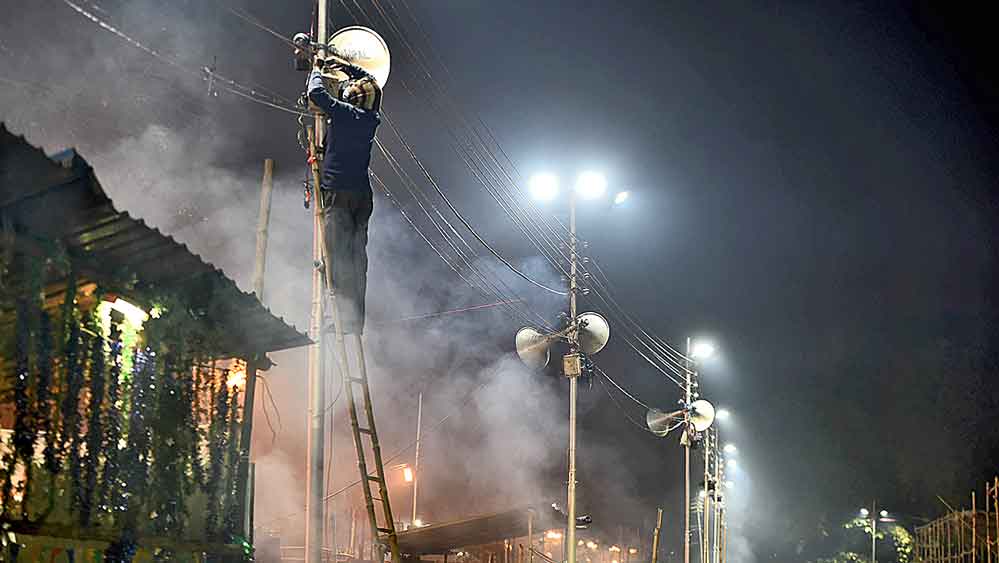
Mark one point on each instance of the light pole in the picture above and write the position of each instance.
(699, 350)
(590, 185)
(873, 513)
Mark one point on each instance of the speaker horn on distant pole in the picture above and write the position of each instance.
(701, 413)
(532, 347)
(660, 423)
(594, 332)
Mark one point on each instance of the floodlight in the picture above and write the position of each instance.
(544, 187)
(591, 185)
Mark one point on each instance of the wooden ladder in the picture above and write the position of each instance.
(365, 435)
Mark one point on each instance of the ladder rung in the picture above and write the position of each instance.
(356, 379)
(386, 530)
(374, 478)
(365, 431)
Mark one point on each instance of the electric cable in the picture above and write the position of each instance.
(229, 85)
(621, 389)
(462, 218)
(621, 408)
(414, 190)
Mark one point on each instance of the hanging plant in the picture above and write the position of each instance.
(74, 421)
(135, 471)
(43, 397)
(217, 450)
(95, 429)
(168, 435)
(230, 502)
(22, 440)
(196, 388)
(72, 384)
(110, 474)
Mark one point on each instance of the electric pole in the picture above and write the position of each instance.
(416, 464)
(686, 457)
(314, 507)
(571, 365)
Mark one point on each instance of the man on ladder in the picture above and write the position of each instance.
(345, 200)
(345, 192)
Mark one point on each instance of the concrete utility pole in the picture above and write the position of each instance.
(706, 535)
(416, 464)
(719, 509)
(314, 507)
(571, 366)
(686, 458)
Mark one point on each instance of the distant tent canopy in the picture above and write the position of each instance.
(122, 359)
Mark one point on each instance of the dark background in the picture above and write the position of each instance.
(812, 187)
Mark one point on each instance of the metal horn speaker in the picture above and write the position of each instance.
(594, 332)
(363, 47)
(660, 422)
(532, 347)
(702, 414)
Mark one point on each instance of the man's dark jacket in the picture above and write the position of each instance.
(350, 133)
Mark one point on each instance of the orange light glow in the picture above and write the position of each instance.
(236, 379)
(407, 474)
(553, 535)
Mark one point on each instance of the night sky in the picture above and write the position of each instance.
(812, 188)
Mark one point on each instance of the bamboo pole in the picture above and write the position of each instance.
(655, 536)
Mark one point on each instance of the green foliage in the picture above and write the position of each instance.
(82, 398)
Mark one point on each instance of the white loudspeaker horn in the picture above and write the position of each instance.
(532, 347)
(363, 47)
(702, 414)
(594, 332)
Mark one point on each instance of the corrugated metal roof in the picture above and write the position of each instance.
(476, 530)
(58, 198)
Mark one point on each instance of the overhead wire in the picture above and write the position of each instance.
(465, 148)
(663, 357)
(462, 218)
(247, 92)
(621, 408)
(487, 285)
(621, 389)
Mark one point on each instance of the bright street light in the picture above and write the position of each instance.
(591, 185)
(864, 513)
(544, 187)
(730, 484)
(730, 464)
(884, 513)
(621, 197)
(730, 449)
(407, 474)
(722, 414)
(702, 350)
